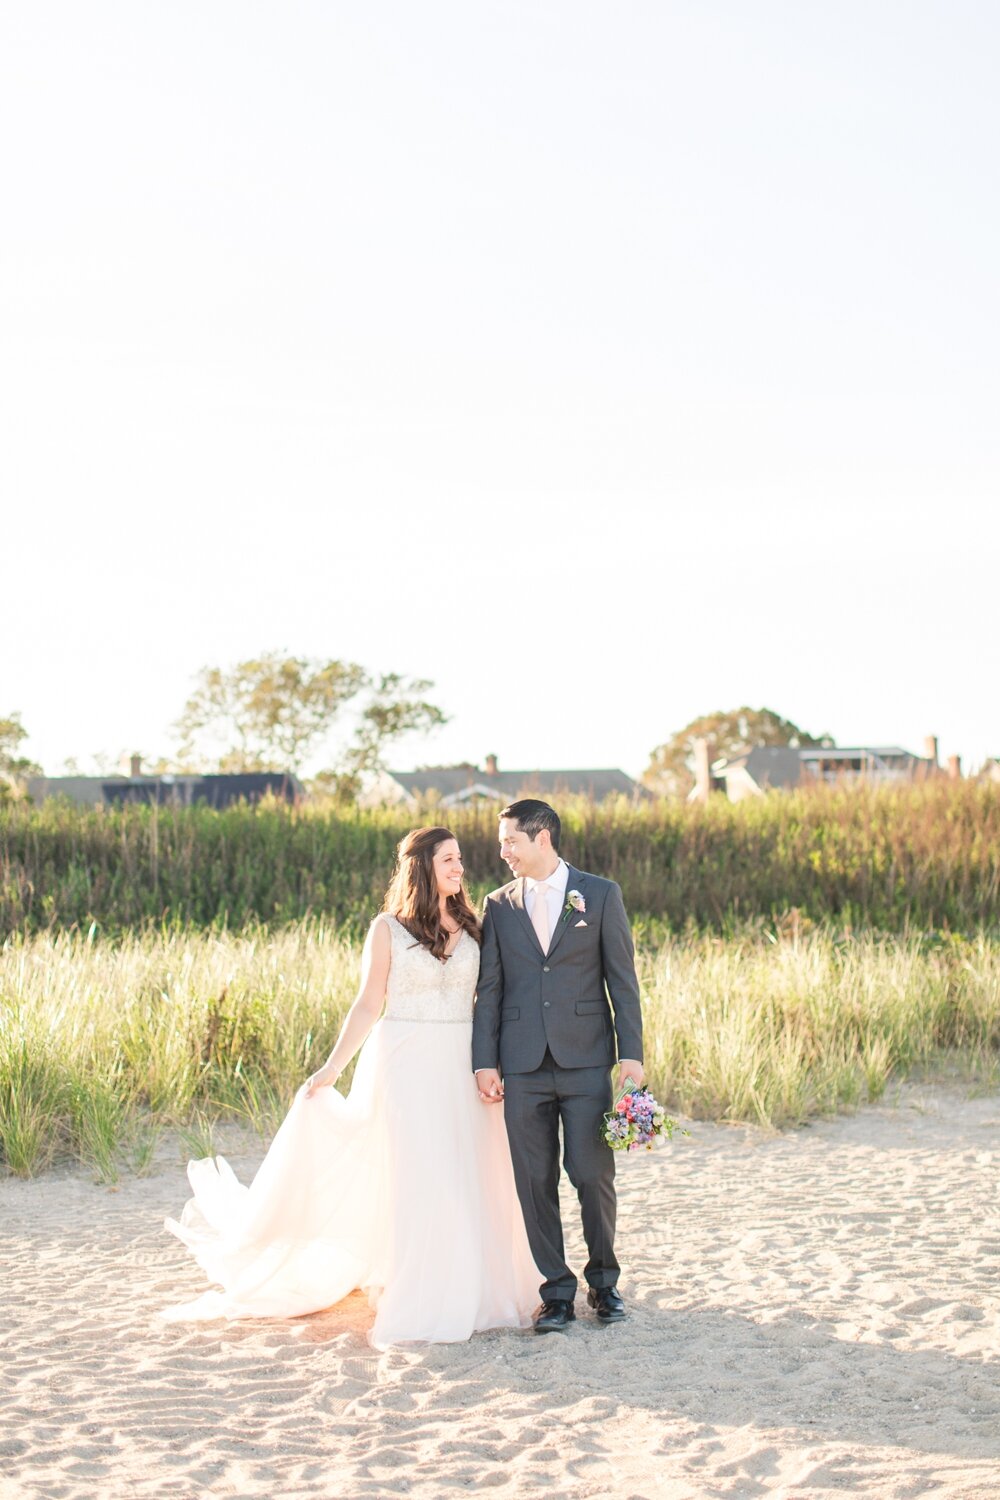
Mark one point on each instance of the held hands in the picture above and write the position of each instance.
(489, 1085)
(629, 1068)
(491, 1088)
(324, 1077)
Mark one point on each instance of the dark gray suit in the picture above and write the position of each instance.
(546, 1021)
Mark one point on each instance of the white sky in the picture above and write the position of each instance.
(607, 364)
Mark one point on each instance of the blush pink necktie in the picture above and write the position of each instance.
(540, 915)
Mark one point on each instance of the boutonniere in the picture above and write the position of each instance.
(574, 902)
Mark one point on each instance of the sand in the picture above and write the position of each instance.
(814, 1313)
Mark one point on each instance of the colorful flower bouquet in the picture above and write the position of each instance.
(637, 1122)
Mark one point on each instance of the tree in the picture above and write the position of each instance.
(271, 713)
(670, 768)
(385, 717)
(388, 714)
(14, 768)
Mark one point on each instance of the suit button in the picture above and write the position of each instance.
(545, 968)
(546, 1003)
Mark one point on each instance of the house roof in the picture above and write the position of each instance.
(506, 785)
(216, 790)
(768, 765)
(782, 765)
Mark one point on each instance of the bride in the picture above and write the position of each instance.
(404, 1187)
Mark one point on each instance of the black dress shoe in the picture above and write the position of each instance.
(553, 1316)
(608, 1304)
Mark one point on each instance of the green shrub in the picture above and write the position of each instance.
(924, 856)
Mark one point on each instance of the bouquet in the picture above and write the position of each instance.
(637, 1121)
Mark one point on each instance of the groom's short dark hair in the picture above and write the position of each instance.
(531, 816)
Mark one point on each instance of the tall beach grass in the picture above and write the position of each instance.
(104, 1043)
(924, 855)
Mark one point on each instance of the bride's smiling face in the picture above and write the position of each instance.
(448, 868)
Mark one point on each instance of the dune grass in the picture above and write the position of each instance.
(105, 1043)
(774, 1030)
(924, 855)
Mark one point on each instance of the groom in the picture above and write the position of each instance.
(556, 945)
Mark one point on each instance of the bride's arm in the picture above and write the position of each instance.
(366, 1009)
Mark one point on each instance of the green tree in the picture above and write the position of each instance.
(671, 765)
(14, 768)
(390, 712)
(273, 711)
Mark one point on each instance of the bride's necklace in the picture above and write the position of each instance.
(449, 946)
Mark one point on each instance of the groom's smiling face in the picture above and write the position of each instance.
(524, 855)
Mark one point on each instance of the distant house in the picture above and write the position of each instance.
(451, 786)
(175, 791)
(767, 768)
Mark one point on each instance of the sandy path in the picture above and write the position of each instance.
(812, 1314)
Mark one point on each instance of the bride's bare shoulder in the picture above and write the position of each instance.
(380, 932)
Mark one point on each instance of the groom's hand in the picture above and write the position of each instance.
(629, 1068)
(489, 1085)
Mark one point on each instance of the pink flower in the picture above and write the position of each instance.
(574, 902)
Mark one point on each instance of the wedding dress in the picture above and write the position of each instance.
(404, 1187)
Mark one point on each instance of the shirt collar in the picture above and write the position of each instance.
(557, 881)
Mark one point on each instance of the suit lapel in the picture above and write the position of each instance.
(574, 882)
(517, 902)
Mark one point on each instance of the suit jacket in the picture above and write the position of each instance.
(527, 1001)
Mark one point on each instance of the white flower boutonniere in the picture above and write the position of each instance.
(574, 902)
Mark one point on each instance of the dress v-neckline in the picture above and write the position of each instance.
(448, 952)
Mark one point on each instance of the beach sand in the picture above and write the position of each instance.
(814, 1313)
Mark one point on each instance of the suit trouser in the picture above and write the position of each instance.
(534, 1104)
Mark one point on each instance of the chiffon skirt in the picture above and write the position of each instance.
(404, 1188)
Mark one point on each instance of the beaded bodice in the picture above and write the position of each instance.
(421, 987)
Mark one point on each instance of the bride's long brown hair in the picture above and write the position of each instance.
(413, 897)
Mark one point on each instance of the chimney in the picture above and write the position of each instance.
(702, 769)
(491, 765)
(955, 767)
(135, 764)
(931, 750)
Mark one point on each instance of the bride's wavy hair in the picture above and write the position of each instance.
(413, 897)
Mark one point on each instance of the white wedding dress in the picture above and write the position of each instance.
(404, 1188)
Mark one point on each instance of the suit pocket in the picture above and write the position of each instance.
(591, 1007)
(511, 1013)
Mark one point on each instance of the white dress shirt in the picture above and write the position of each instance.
(555, 895)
